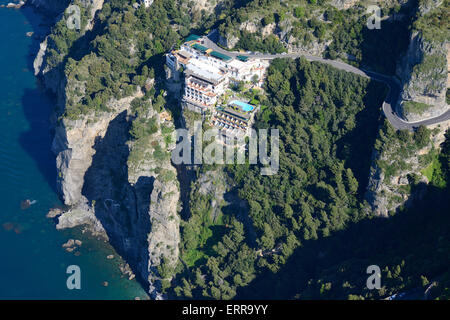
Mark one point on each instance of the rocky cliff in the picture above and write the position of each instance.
(424, 69)
(50, 61)
(117, 185)
(401, 169)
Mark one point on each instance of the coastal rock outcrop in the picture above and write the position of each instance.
(424, 69)
(118, 186)
(343, 4)
(49, 62)
(115, 186)
(74, 146)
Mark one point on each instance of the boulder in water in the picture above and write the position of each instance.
(8, 226)
(25, 204)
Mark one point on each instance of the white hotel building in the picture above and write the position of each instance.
(207, 73)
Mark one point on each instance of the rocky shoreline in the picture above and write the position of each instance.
(42, 17)
(132, 206)
(12, 5)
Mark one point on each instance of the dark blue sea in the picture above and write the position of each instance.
(32, 261)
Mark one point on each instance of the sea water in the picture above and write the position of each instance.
(33, 263)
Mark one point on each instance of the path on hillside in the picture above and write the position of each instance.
(391, 99)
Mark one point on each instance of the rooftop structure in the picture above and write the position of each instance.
(220, 56)
(235, 119)
(207, 74)
(199, 47)
(205, 71)
(242, 58)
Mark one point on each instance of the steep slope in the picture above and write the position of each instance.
(111, 141)
(403, 165)
(424, 69)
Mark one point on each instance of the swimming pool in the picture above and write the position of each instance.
(244, 106)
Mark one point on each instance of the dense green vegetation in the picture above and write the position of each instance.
(325, 254)
(203, 230)
(249, 41)
(62, 39)
(305, 233)
(313, 239)
(315, 192)
(300, 14)
(377, 48)
(415, 107)
(122, 55)
(411, 248)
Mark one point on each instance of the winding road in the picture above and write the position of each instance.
(391, 99)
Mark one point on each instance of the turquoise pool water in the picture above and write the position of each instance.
(244, 106)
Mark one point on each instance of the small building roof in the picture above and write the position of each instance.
(243, 58)
(237, 64)
(236, 114)
(221, 56)
(199, 47)
(204, 71)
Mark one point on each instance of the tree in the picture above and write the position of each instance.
(422, 136)
(352, 183)
(270, 18)
(255, 79)
(299, 12)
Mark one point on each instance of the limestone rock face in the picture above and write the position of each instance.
(424, 74)
(387, 192)
(426, 5)
(207, 5)
(81, 215)
(74, 146)
(53, 76)
(343, 4)
(39, 60)
(164, 238)
(228, 41)
(94, 5)
(133, 204)
(424, 69)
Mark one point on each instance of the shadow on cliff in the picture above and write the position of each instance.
(382, 48)
(122, 208)
(417, 236)
(357, 145)
(239, 208)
